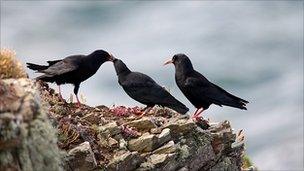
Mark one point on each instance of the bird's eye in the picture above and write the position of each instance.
(174, 58)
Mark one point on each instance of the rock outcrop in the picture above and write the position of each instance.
(81, 158)
(116, 138)
(27, 139)
(122, 139)
(40, 131)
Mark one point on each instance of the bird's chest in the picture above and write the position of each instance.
(180, 81)
(122, 80)
(84, 73)
(186, 89)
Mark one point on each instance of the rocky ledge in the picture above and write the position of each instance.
(40, 131)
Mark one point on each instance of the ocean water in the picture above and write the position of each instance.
(253, 49)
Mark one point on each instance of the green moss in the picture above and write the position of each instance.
(246, 161)
(42, 146)
(38, 149)
(200, 139)
(9, 131)
(95, 128)
(6, 158)
(29, 143)
(184, 151)
(62, 137)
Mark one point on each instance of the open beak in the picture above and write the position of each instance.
(168, 62)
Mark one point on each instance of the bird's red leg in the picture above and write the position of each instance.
(199, 118)
(194, 114)
(78, 102)
(197, 113)
(59, 89)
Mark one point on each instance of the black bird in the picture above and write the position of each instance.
(144, 89)
(72, 69)
(200, 91)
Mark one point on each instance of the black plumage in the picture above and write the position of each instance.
(72, 69)
(145, 90)
(198, 89)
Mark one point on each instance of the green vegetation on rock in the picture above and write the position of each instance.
(40, 131)
(27, 139)
(10, 67)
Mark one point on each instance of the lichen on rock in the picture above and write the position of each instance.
(41, 131)
(27, 139)
(81, 158)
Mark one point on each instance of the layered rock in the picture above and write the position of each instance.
(159, 140)
(102, 138)
(81, 158)
(27, 139)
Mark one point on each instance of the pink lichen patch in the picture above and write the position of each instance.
(136, 110)
(125, 111)
(129, 131)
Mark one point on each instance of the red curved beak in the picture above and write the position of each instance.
(168, 62)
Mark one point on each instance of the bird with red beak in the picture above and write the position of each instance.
(73, 69)
(170, 61)
(198, 89)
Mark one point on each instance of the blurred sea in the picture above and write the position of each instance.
(254, 49)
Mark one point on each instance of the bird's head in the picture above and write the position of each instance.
(120, 67)
(102, 55)
(180, 60)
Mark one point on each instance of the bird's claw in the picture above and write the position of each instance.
(197, 118)
(201, 122)
(78, 104)
(78, 101)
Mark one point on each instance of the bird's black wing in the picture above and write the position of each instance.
(145, 90)
(229, 94)
(39, 68)
(53, 62)
(201, 90)
(66, 65)
(212, 93)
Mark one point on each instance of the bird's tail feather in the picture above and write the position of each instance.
(181, 108)
(36, 67)
(238, 103)
(235, 101)
(237, 98)
(46, 78)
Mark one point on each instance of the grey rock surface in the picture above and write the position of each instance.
(27, 139)
(81, 158)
